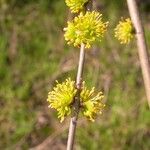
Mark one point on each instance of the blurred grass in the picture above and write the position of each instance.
(33, 55)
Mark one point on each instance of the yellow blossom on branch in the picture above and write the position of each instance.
(91, 103)
(61, 98)
(76, 5)
(124, 31)
(85, 28)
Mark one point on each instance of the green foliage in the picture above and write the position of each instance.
(41, 57)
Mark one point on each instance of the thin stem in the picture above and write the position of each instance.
(80, 66)
(73, 122)
(142, 46)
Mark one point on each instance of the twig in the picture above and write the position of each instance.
(73, 122)
(142, 46)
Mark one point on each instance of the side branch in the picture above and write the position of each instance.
(142, 46)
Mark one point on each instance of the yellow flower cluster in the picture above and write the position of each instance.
(76, 5)
(62, 97)
(124, 31)
(91, 103)
(85, 29)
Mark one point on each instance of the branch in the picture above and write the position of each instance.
(141, 44)
(73, 122)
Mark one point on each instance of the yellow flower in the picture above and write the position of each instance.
(62, 97)
(85, 29)
(124, 31)
(76, 5)
(91, 103)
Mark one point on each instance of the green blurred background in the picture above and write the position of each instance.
(33, 54)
